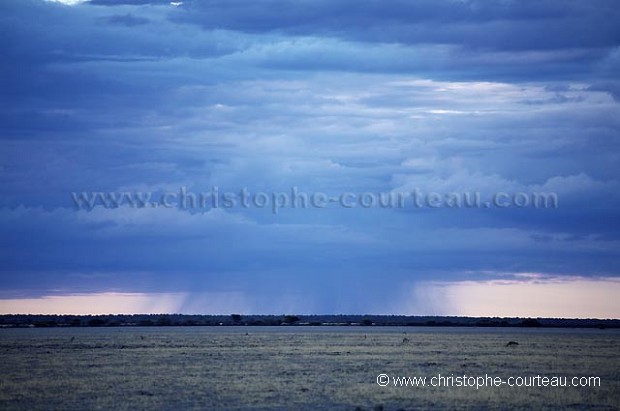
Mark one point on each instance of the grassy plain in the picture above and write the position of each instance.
(298, 368)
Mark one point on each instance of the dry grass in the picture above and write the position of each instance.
(298, 368)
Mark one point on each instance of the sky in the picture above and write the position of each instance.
(367, 98)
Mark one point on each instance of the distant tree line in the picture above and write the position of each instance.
(184, 320)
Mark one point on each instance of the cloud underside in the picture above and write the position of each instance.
(437, 96)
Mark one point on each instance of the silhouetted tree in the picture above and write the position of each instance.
(96, 322)
(291, 319)
(530, 322)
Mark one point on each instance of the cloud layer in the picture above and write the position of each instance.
(326, 96)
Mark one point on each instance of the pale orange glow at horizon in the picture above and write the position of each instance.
(126, 303)
(96, 303)
(530, 297)
(553, 298)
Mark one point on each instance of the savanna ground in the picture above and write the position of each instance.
(298, 368)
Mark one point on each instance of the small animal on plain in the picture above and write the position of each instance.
(511, 343)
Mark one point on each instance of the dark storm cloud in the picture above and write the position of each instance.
(500, 25)
(323, 95)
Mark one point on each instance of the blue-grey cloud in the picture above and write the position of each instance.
(325, 96)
